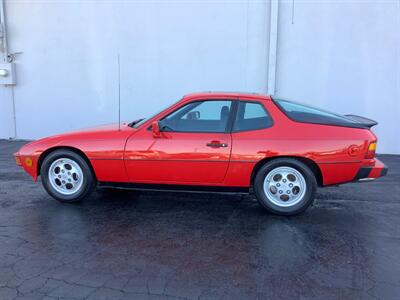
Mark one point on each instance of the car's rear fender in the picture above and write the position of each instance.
(307, 161)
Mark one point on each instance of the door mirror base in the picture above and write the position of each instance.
(155, 128)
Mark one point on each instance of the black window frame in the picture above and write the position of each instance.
(229, 122)
(236, 113)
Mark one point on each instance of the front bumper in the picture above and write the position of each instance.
(17, 158)
(28, 163)
(379, 169)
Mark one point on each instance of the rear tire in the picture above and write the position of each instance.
(285, 186)
(66, 176)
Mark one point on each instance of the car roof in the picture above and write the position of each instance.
(226, 94)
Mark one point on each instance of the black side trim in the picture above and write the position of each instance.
(363, 173)
(175, 187)
(384, 171)
(180, 160)
(339, 162)
(104, 158)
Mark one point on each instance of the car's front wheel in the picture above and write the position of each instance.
(66, 176)
(285, 186)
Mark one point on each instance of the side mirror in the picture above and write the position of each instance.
(155, 127)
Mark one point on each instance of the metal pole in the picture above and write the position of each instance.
(119, 94)
(273, 41)
(4, 29)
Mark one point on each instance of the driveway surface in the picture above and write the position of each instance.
(159, 245)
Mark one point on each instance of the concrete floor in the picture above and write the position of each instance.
(157, 245)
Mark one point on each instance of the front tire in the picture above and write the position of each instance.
(66, 176)
(285, 186)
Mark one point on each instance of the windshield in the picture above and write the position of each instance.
(140, 122)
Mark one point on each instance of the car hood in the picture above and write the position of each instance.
(95, 131)
(97, 128)
(76, 137)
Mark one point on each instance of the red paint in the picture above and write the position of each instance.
(177, 157)
(139, 156)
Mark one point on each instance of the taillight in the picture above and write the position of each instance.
(371, 150)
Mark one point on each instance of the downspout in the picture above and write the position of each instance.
(3, 30)
(273, 41)
(7, 58)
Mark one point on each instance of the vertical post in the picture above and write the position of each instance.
(3, 29)
(273, 41)
(5, 59)
(119, 94)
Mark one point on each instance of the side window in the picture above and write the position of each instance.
(199, 116)
(251, 116)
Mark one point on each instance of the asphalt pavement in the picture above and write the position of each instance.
(164, 245)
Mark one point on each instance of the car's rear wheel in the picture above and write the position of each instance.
(66, 176)
(285, 186)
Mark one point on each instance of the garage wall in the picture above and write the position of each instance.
(344, 56)
(67, 75)
(341, 55)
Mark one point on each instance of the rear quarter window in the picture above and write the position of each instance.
(251, 116)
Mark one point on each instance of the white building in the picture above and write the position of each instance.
(340, 55)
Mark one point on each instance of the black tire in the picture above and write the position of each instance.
(88, 179)
(299, 207)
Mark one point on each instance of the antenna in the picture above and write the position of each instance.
(119, 95)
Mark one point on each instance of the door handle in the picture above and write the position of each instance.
(217, 144)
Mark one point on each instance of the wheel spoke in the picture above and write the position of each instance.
(284, 186)
(65, 176)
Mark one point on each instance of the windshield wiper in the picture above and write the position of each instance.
(133, 123)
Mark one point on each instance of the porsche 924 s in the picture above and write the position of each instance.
(277, 149)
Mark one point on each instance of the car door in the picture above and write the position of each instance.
(193, 148)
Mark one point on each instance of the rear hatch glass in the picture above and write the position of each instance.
(309, 114)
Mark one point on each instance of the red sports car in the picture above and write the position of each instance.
(278, 149)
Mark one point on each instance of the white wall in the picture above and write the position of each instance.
(67, 75)
(344, 56)
(7, 128)
(341, 55)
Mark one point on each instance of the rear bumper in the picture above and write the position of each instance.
(379, 169)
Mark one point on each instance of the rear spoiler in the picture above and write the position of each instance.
(362, 120)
